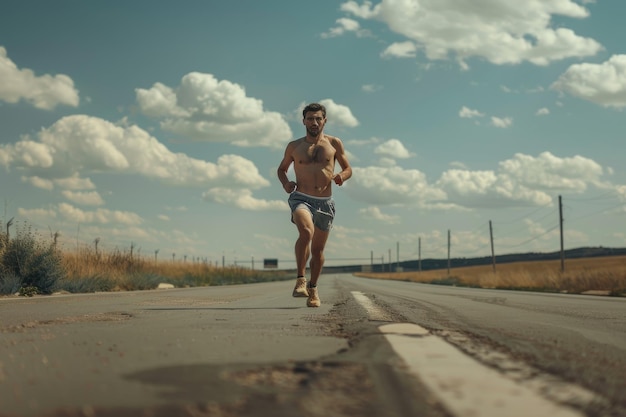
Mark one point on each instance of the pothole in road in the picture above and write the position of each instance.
(313, 388)
(307, 389)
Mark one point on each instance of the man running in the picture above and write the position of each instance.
(312, 206)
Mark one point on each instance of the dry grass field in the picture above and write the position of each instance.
(598, 275)
(119, 266)
(30, 265)
(88, 271)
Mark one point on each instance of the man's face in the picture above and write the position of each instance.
(314, 122)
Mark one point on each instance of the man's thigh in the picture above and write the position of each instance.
(302, 217)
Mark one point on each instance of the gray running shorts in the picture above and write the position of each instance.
(322, 209)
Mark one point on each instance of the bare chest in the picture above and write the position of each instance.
(318, 154)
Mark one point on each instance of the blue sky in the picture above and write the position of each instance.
(160, 125)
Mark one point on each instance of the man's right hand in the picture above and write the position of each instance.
(290, 187)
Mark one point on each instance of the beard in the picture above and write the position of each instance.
(313, 131)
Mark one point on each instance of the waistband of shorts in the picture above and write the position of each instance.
(312, 197)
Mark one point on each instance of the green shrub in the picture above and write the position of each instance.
(30, 261)
(140, 281)
(28, 291)
(9, 283)
(94, 283)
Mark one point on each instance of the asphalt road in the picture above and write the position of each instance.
(253, 350)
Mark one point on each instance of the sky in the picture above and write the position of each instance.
(157, 126)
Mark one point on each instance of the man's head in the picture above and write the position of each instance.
(314, 119)
(313, 107)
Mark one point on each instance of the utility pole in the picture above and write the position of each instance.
(448, 253)
(561, 227)
(397, 256)
(493, 255)
(419, 254)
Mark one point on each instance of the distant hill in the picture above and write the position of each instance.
(428, 264)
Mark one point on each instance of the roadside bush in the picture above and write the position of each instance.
(27, 261)
(9, 283)
(93, 283)
(139, 281)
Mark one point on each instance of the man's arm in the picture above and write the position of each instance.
(342, 159)
(288, 186)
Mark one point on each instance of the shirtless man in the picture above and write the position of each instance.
(312, 206)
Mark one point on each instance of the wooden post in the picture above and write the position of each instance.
(448, 253)
(561, 227)
(397, 256)
(419, 254)
(493, 255)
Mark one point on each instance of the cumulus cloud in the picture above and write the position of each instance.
(496, 30)
(550, 172)
(85, 198)
(242, 199)
(544, 111)
(69, 183)
(363, 142)
(393, 148)
(387, 162)
(371, 88)
(603, 84)
(391, 185)
(522, 180)
(100, 216)
(337, 114)
(44, 91)
(458, 164)
(75, 183)
(79, 144)
(487, 188)
(405, 49)
(204, 108)
(468, 113)
(501, 122)
(345, 25)
(374, 213)
(37, 215)
(39, 182)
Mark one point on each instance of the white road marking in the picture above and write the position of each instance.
(374, 312)
(465, 387)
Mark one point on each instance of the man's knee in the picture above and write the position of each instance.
(306, 231)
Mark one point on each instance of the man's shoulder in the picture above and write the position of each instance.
(295, 142)
(333, 140)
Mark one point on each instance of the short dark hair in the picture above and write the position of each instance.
(314, 107)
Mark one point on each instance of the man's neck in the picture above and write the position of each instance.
(313, 139)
